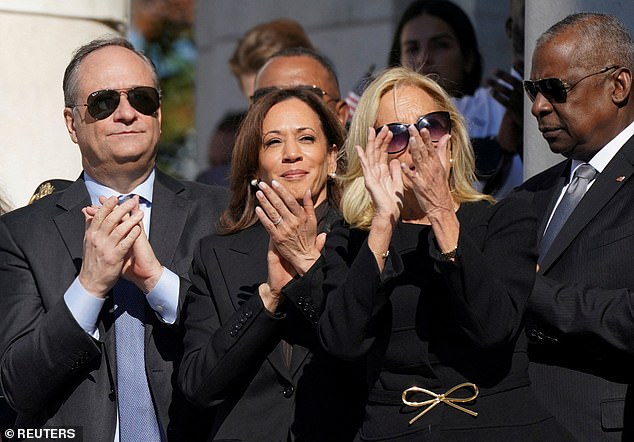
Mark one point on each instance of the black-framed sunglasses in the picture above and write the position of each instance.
(101, 104)
(437, 123)
(259, 93)
(555, 89)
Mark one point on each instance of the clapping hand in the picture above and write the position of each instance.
(383, 180)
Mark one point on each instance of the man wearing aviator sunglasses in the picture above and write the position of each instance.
(303, 68)
(91, 274)
(579, 317)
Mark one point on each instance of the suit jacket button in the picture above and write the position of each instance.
(233, 333)
(288, 391)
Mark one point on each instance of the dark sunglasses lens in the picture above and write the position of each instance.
(144, 99)
(400, 137)
(101, 104)
(531, 89)
(437, 123)
(553, 89)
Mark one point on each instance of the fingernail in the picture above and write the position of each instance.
(275, 183)
(259, 194)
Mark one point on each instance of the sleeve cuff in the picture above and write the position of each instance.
(163, 298)
(84, 307)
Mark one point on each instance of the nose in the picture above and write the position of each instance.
(124, 111)
(292, 152)
(541, 105)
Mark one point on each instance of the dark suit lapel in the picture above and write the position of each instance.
(297, 359)
(614, 176)
(249, 249)
(169, 216)
(70, 222)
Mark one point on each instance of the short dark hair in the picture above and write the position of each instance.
(263, 40)
(459, 22)
(240, 212)
(69, 83)
(603, 39)
(311, 53)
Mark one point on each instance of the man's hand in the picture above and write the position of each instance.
(141, 266)
(111, 231)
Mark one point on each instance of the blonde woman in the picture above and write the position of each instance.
(430, 281)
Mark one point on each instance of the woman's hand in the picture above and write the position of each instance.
(292, 227)
(430, 183)
(430, 176)
(382, 180)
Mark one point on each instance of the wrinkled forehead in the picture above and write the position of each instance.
(404, 104)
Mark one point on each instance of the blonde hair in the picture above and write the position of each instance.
(356, 203)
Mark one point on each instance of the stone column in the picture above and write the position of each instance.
(37, 38)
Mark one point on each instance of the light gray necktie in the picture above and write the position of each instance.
(575, 191)
(137, 417)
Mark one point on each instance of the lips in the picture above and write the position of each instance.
(549, 132)
(294, 174)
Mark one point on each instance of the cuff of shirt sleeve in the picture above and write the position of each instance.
(163, 298)
(84, 307)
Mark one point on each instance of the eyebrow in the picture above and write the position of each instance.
(299, 129)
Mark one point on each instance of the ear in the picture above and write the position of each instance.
(332, 159)
(342, 111)
(70, 123)
(622, 81)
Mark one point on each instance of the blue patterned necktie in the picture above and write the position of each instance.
(575, 191)
(137, 418)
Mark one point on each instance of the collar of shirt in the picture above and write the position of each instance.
(95, 189)
(601, 159)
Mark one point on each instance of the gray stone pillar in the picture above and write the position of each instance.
(37, 39)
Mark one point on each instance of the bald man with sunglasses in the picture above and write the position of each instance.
(580, 319)
(304, 68)
(90, 336)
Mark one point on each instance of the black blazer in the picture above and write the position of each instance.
(425, 321)
(53, 373)
(233, 359)
(581, 311)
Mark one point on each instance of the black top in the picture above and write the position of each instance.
(428, 322)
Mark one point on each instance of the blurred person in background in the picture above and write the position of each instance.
(302, 67)
(259, 43)
(437, 37)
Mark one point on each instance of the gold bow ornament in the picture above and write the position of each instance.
(438, 398)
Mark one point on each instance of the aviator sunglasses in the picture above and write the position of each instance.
(437, 123)
(259, 93)
(555, 89)
(101, 104)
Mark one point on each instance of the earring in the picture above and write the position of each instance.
(332, 175)
(254, 182)
(450, 160)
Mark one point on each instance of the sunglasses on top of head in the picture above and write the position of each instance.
(556, 90)
(259, 93)
(101, 104)
(437, 123)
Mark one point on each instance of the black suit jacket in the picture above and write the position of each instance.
(233, 359)
(581, 311)
(52, 372)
